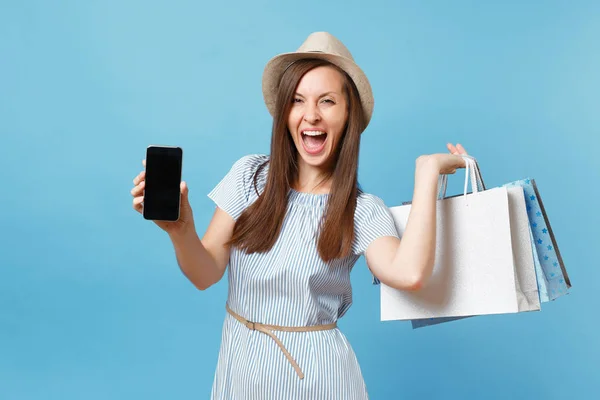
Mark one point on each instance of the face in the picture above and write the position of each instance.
(318, 115)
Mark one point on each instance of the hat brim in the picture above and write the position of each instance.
(278, 64)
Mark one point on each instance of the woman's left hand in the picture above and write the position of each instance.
(444, 163)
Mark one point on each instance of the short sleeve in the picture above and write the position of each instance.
(372, 220)
(232, 193)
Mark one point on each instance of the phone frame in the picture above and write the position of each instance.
(160, 146)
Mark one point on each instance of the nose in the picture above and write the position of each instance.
(312, 115)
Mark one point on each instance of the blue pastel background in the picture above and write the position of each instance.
(92, 303)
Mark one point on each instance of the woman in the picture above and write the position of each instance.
(291, 226)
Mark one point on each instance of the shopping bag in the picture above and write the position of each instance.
(527, 291)
(551, 275)
(553, 279)
(474, 270)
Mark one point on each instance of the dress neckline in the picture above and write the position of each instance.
(312, 199)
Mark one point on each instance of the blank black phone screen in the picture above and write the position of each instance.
(163, 178)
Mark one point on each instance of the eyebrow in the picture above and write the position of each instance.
(323, 94)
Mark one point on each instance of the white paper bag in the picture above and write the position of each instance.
(474, 271)
(528, 297)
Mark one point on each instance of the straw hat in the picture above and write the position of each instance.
(321, 45)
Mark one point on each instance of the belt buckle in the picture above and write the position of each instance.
(250, 325)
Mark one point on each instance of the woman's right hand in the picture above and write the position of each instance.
(185, 222)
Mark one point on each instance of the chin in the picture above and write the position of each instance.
(316, 160)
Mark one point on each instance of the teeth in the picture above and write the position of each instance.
(314, 133)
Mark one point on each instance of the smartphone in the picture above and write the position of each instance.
(162, 193)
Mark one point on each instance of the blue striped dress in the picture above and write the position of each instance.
(290, 286)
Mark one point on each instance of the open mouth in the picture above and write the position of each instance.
(314, 141)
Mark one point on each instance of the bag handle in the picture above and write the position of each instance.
(472, 171)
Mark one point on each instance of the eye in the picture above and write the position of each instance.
(296, 100)
(329, 101)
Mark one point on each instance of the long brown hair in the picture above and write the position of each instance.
(258, 228)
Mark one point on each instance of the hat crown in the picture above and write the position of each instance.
(324, 42)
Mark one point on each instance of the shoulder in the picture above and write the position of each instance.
(367, 202)
(371, 209)
(372, 220)
(244, 174)
(245, 167)
(250, 162)
(237, 188)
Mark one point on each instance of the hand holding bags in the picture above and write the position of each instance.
(484, 260)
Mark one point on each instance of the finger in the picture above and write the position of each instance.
(184, 192)
(144, 162)
(138, 189)
(138, 203)
(452, 148)
(139, 178)
(461, 149)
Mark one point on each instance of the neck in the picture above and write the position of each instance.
(312, 179)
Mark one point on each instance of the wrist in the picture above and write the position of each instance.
(426, 168)
(426, 180)
(182, 235)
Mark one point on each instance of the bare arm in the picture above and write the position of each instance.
(204, 261)
(408, 264)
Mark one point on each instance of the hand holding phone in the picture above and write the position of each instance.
(159, 193)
